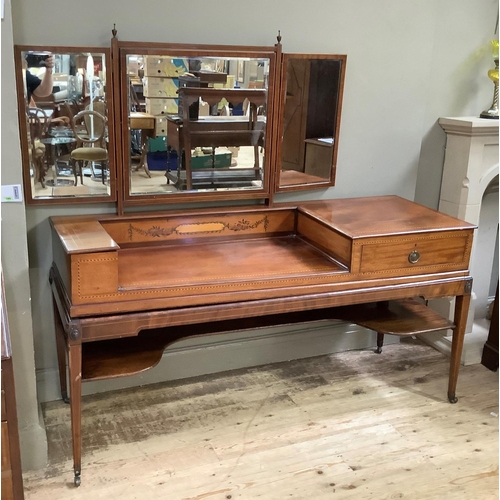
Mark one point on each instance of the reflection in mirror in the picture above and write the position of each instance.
(312, 99)
(66, 123)
(196, 124)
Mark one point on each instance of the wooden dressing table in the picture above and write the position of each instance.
(126, 287)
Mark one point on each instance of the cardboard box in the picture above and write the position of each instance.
(161, 126)
(165, 66)
(160, 87)
(230, 83)
(157, 144)
(157, 106)
(205, 161)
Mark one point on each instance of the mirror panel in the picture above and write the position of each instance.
(311, 102)
(64, 106)
(196, 124)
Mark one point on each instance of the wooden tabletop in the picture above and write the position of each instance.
(380, 215)
(141, 121)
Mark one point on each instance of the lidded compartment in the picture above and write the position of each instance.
(203, 258)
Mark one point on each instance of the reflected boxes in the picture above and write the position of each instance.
(228, 84)
(162, 106)
(161, 126)
(159, 159)
(160, 87)
(218, 160)
(165, 66)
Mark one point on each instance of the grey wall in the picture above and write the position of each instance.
(15, 267)
(409, 63)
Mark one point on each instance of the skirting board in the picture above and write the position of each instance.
(473, 342)
(230, 351)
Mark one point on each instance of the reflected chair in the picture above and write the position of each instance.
(38, 124)
(100, 106)
(89, 128)
(46, 103)
(68, 108)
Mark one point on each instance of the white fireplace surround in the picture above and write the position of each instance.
(470, 170)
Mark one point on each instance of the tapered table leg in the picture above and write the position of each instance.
(461, 312)
(384, 305)
(145, 134)
(380, 343)
(61, 353)
(75, 381)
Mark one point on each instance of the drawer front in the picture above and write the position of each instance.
(438, 252)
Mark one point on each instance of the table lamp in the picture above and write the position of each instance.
(493, 76)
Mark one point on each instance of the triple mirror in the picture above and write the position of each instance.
(193, 122)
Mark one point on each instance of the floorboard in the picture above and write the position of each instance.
(353, 425)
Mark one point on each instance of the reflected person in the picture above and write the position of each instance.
(40, 87)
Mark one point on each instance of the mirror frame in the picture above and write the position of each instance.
(192, 50)
(23, 132)
(279, 126)
(118, 130)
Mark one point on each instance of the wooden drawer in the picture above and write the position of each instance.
(435, 252)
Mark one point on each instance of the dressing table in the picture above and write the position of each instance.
(127, 286)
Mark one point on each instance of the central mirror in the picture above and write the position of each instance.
(195, 123)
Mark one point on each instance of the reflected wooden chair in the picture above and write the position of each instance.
(38, 124)
(47, 103)
(68, 108)
(98, 105)
(89, 128)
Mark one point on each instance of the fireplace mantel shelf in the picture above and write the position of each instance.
(469, 126)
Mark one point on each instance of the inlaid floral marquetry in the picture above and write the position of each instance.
(197, 228)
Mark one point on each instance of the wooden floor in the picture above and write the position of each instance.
(354, 425)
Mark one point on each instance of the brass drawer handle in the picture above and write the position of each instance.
(414, 257)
